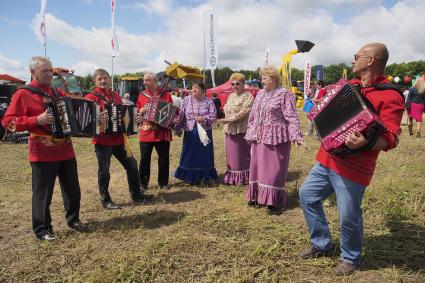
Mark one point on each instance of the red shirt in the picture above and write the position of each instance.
(321, 94)
(360, 167)
(148, 131)
(21, 116)
(106, 139)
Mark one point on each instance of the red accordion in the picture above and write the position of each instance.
(160, 112)
(341, 112)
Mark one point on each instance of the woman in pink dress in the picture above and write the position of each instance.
(236, 110)
(415, 105)
(272, 126)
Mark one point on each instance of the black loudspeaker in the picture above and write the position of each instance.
(304, 45)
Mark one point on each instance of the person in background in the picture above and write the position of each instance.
(272, 126)
(126, 100)
(349, 175)
(312, 97)
(236, 111)
(197, 113)
(415, 104)
(49, 157)
(321, 91)
(217, 104)
(108, 144)
(177, 101)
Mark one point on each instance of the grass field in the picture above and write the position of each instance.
(192, 234)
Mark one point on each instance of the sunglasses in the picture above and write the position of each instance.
(356, 56)
(235, 83)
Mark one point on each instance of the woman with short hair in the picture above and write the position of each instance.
(272, 126)
(236, 111)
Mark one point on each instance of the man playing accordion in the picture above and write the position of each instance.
(49, 157)
(349, 175)
(107, 144)
(152, 135)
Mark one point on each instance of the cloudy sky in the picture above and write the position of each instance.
(151, 31)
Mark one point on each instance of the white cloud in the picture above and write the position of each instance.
(14, 68)
(83, 68)
(246, 30)
(160, 7)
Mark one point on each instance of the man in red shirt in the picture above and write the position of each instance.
(108, 144)
(349, 175)
(49, 157)
(152, 136)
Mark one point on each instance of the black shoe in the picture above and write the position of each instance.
(418, 134)
(313, 252)
(164, 187)
(274, 209)
(252, 203)
(142, 198)
(48, 236)
(79, 226)
(143, 188)
(110, 205)
(345, 268)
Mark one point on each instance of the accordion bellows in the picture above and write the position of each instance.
(74, 117)
(341, 112)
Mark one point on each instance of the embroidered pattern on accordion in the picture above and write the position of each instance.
(160, 113)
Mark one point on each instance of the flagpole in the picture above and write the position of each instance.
(45, 37)
(112, 73)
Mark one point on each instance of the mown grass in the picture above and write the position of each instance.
(192, 234)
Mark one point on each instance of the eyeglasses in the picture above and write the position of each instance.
(235, 83)
(356, 56)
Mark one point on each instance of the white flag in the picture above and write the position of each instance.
(114, 41)
(41, 22)
(307, 76)
(210, 41)
(266, 56)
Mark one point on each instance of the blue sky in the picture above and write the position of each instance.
(150, 31)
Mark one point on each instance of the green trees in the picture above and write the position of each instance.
(332, 74)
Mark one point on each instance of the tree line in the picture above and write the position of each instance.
(332, 73)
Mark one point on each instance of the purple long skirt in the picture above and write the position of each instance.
(238, 159)
(267, 174)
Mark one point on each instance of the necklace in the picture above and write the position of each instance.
(263, 114)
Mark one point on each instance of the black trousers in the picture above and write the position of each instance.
(104, 154)
(163, 150)
(43, 181)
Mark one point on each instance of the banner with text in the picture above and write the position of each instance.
(307, 76)
(210, 41)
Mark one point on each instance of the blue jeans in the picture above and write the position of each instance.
(320, 184)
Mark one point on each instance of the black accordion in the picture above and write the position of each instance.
(341, 112)
(74, 117)
(122, 119)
